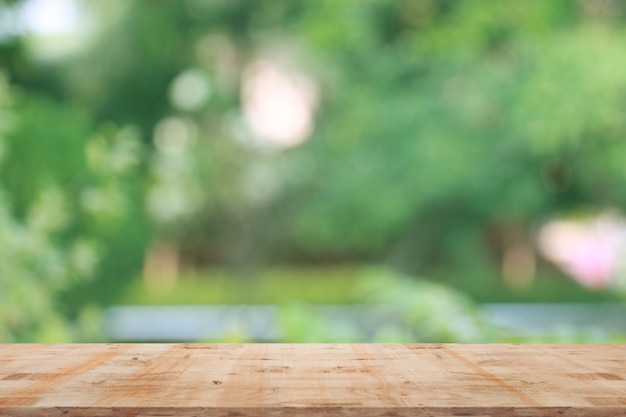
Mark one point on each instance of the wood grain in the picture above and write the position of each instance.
(238, 380)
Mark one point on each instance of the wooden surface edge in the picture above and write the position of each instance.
(611, 411)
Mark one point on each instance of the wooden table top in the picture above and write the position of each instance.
(239, 380)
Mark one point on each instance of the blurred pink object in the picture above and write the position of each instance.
(588, 250)
(592, 262)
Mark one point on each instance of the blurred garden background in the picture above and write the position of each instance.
(312, 170)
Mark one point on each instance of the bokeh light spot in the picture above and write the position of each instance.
(190, 90)
(278, 105)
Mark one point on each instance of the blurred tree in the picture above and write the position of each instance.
(445, 129)
(442, 123)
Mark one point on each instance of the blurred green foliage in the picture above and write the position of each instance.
(444, 126)
(66, 203)
(446, 131)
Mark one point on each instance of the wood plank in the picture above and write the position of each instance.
(232, 380)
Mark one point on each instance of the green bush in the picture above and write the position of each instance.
(414, 311)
